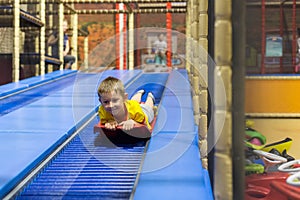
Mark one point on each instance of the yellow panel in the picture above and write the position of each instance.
(272, 95)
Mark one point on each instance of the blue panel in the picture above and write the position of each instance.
(60, 73)
(38, 118)
(35, 80)
(20, 152)
(14, 102)
(11, 88)
(32, 81)
(172, 167)
(176, 110)
(40, 125)
(178, 81)
(182, 100)
(48, 120)
(130, 75)
(174, 119)
(84, 170)
(172, 170)
(154, 83)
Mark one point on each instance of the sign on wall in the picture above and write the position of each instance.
(273, 46)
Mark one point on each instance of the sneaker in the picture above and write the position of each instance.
(155, 110)
(275, 151)
(140, 91)
(151, 96)
(287, 156)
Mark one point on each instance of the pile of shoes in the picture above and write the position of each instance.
(254, 140)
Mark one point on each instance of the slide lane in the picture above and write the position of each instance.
(30, 133)
(90, 166)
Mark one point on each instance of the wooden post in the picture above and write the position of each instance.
(16, 43)
(61, 33)
(74, 52)
(131, 41)
(42, 36)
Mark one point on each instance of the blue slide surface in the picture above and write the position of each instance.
(50, 113)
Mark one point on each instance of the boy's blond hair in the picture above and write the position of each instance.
(111, 84)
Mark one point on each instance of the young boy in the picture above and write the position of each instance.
(117, 110)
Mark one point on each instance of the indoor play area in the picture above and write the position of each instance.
(224, 77)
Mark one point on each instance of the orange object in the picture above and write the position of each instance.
(169, 35)
(119, 136)
(258, 186)
(272, 95)
(284, 191)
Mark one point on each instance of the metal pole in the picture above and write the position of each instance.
(169, 36)
(117, 38)
(294, 26)
(124, 30)
(238, 99)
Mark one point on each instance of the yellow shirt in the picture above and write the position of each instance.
(134, 111)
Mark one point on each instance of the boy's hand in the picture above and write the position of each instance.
(111, 125)
(128, 125)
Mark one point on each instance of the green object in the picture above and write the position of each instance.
(251, 133)
(254, 169)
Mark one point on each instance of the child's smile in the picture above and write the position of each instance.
(114, 104)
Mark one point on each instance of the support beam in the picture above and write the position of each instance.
(16, 43)
(42, 37)
(121, 1)
(169, 36)
(61, 34)
(86, 52)
(116, 11)
(124, 32)
(131, 41)
(74, 43)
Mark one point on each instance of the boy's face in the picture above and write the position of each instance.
(161, 37)
(113, 102)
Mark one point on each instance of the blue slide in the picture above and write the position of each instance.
(87, 167)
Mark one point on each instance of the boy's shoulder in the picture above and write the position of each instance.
(132, 105)
(132, 102)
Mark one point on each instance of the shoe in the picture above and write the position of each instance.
(140, 91)
(151, 96)
(155, 110)
(287, 156)
(275, 151)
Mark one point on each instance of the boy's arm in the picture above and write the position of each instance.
(128, 124)
(108, 123)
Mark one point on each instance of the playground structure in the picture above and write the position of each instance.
(272, 45)
(272, 77)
